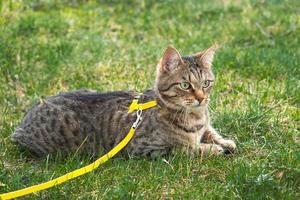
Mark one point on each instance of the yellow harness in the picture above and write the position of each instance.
(135, 106)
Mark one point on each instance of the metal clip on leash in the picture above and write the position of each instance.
(138, 118)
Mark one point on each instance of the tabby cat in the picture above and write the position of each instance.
(90, 122)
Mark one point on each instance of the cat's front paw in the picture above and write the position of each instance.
(228, 145)
(211, 149)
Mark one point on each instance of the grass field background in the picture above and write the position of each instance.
(51, 46)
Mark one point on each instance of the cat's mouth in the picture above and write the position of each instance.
(196, 103)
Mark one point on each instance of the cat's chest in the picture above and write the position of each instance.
(202, 124)
(194, 132)
(200, 134)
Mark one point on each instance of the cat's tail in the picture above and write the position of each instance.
(25, 142)
(17, 135)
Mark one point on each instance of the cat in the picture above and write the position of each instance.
(91, 122)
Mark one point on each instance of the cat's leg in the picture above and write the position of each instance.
(212, 136)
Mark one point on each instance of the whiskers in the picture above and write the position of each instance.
(210, 108)
(188, 102)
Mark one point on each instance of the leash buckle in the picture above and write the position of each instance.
(138, 118)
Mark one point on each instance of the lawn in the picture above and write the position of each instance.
(51, 46)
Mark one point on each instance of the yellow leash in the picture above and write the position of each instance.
(135, 106)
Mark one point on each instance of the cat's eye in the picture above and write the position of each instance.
(205, 83)
(185, 85)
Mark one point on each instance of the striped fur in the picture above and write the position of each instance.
(90, 122)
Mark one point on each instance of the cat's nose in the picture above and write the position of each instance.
(200, 99)
(199, 95)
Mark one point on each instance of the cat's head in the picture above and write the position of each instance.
(185, 82)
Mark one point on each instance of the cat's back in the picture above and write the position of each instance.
(64, 121)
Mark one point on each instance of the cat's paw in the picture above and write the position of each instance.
(228, 145)
(211, 149)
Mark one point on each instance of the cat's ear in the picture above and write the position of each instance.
(206, 57)
(170, 60)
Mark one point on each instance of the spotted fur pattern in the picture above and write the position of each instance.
(90, 122)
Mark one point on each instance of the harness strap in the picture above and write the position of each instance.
(71, 175)
(143, 106)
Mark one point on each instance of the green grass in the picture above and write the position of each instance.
(51, 46)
